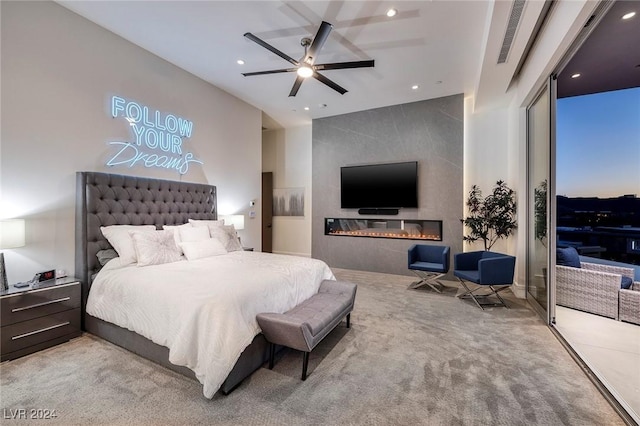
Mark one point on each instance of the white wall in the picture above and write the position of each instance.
(58, 70)
(287, 153)
(495, 138)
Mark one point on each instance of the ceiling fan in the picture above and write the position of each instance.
(306, 66)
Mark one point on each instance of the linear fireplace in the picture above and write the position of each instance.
(430, 230)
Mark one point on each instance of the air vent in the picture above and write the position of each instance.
(591, 18)
(512, 26)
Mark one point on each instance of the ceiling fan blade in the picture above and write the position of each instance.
(249, 74)
(296, 86)
(322, 79)
(271, 48)
(318, 42)
(343, 65)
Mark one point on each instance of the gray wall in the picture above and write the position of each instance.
(430, 132)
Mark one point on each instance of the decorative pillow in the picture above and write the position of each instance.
(205, 248)
(176, 232)
(627, 282)
(121, 240)
(227, 236)
(194, 233)
(106, 255)
(567, 257)
(155, 248)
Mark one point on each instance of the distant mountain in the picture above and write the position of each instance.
(594, 211)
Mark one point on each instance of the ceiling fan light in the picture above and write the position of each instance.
(305, 72)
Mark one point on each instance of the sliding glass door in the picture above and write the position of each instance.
(539, 123)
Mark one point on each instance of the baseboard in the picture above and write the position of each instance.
(519, 290)
(288, 253)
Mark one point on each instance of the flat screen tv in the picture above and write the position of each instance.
(390, 185)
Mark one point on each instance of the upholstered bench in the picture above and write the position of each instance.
(304, 326)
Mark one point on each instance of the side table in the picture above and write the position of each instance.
(39, 316)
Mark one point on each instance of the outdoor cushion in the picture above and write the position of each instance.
(627, 282)
(567, 257)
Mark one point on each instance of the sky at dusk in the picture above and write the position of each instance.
(598, 144)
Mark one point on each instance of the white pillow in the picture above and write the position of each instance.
(194, 233)
(176, 232)
(121, 240)
(227, 236)
(209, 224)
(195, 222)
(198, 249)
(155, 248)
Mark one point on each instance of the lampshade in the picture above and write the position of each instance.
(237, 220)
(11, 233)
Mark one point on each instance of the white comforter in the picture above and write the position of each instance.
(204, 310)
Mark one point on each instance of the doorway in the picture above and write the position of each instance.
(267, 212)
(585, 154)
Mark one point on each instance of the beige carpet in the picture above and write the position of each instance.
(411, 357)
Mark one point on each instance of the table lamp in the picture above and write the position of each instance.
(237, 220)
(11, 236)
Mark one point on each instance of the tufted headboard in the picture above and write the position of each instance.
(104, 199)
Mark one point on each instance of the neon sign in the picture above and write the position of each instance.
(163, 134)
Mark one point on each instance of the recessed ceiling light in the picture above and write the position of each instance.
(306, 108)
(576, 75)
(391, 12)
(415, 87)
(628, 15)
(240, 62)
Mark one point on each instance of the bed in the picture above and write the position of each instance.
(107, 199)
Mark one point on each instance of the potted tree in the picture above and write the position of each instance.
(493, 217)
(540, 225)
(540, 212)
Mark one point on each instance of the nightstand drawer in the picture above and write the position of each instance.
(27, 333)
(39, 303)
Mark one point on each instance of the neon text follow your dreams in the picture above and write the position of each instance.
(163, 134)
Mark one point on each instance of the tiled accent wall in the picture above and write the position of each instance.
(430, 132)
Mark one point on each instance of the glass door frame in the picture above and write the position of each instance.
(547, 313)
(552, 219)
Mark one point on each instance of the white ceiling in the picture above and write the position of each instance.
(435, 44)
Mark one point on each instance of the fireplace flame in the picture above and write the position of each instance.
(382, 234)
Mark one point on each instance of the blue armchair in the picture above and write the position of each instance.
(487, 270)
(429, 263)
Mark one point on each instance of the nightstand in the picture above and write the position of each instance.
(39, 316)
